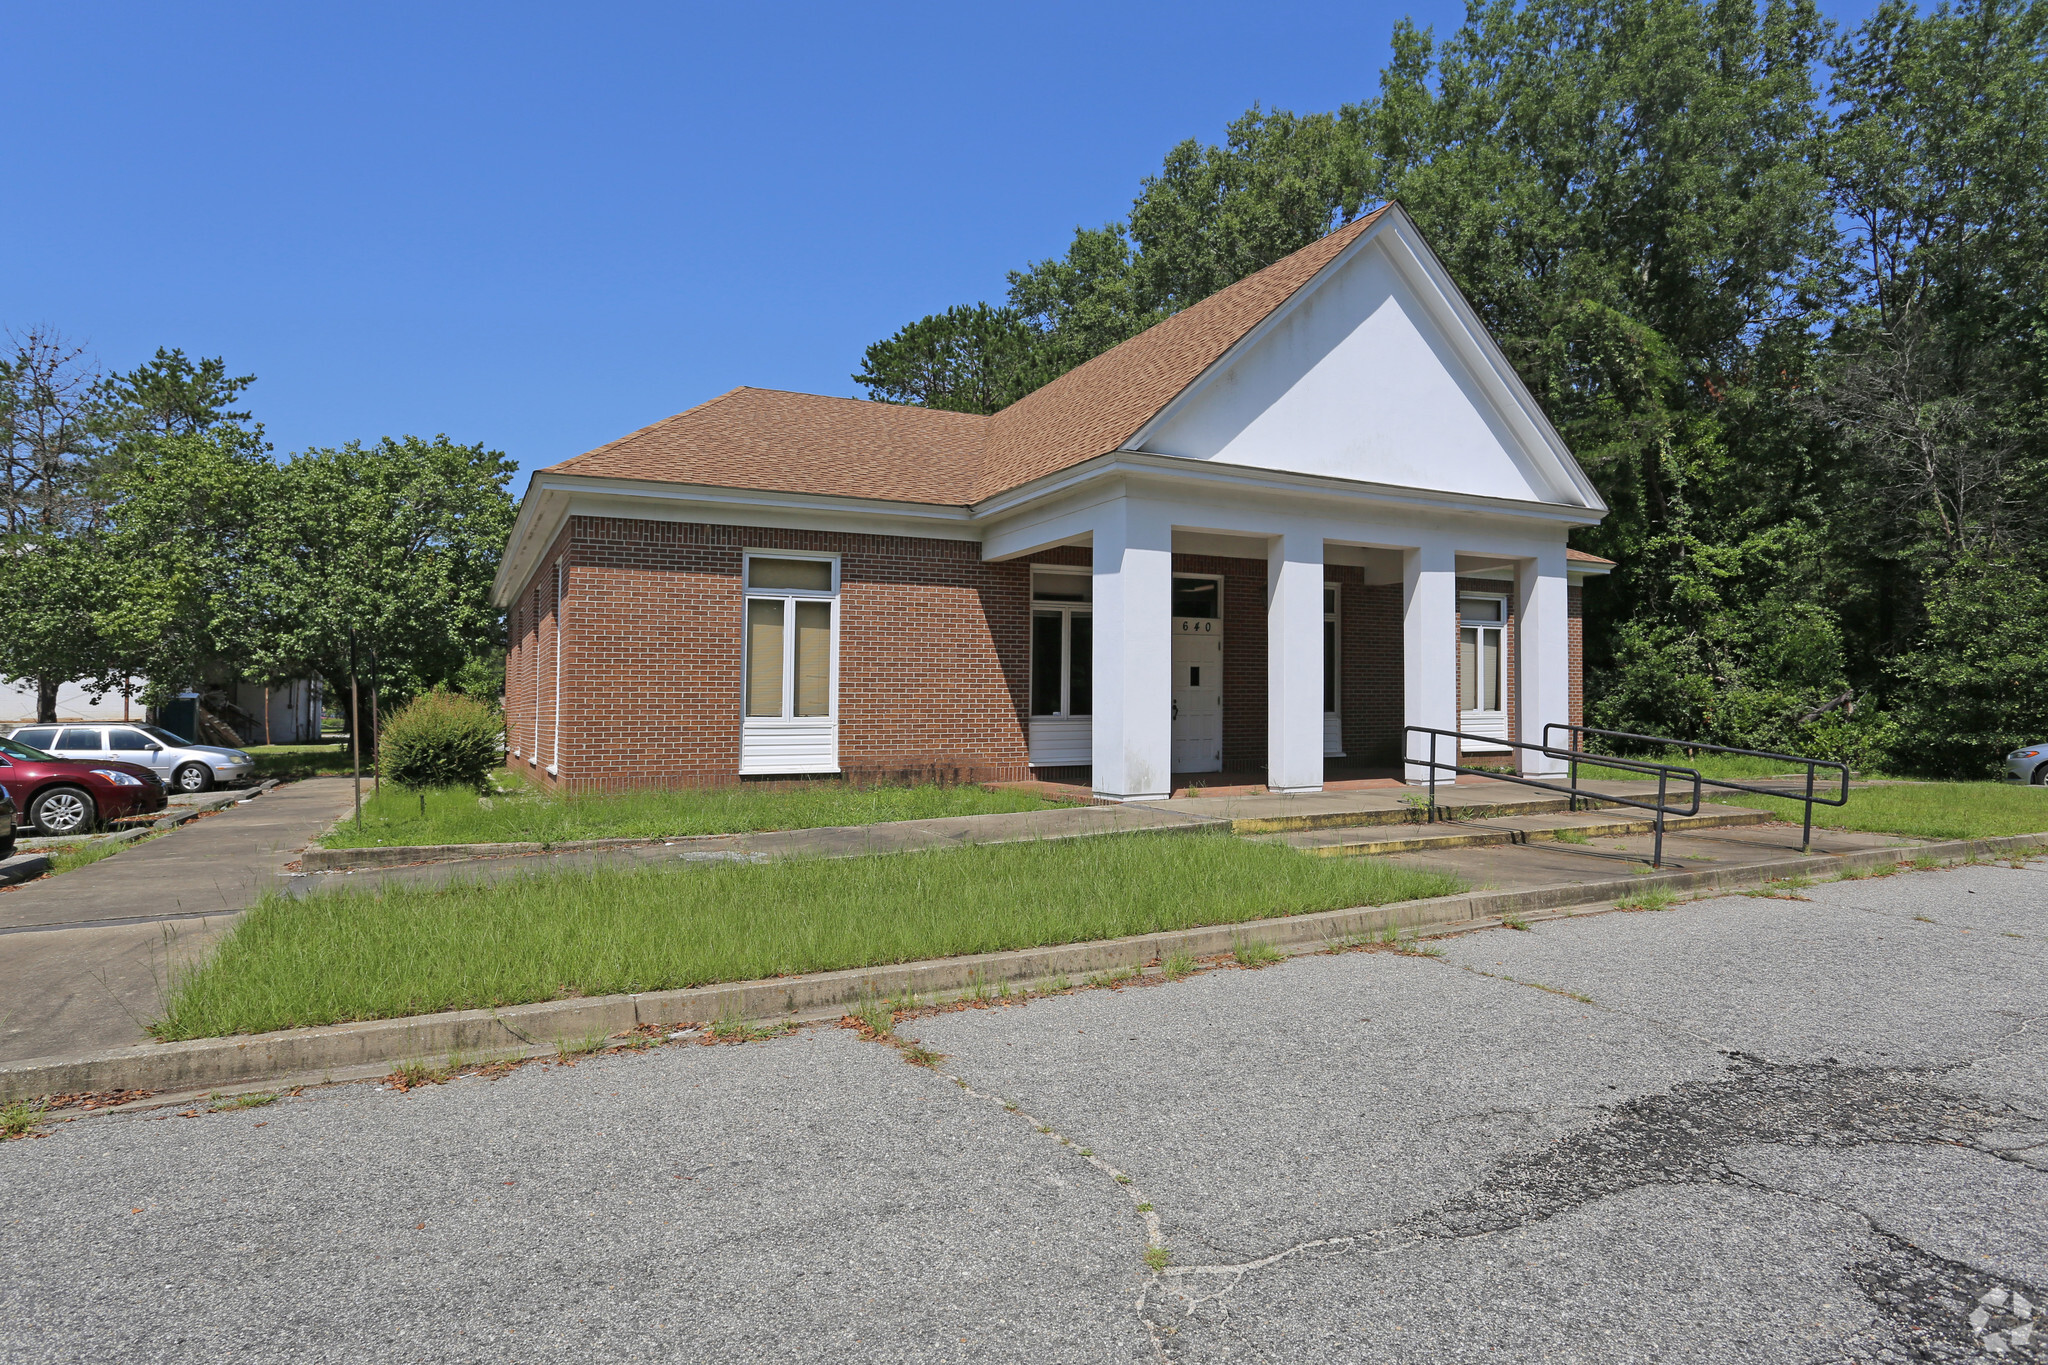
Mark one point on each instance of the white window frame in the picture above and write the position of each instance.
(758, 734)
(1506, 674)
(555, 747)
(533, 754)
(1061, 739)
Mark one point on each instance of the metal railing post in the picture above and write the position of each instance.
(1806, 829)
(1657, 855)
(1574, 807)
(1432, 777)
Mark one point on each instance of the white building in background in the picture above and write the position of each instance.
(74, 702)
(292, 709)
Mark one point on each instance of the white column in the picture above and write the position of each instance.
(1543, 656)
(1132, 735)
(1294, 662)
(1429, 653)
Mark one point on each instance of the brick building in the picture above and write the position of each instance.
(1267, 533)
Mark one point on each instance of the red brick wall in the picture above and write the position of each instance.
(932, 666)
(1369, 628)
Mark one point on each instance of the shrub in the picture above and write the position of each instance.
(441, 739)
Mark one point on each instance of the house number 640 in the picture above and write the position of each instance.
(1199, 627)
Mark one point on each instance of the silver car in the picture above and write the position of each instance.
(181, 766)
(2028, 765)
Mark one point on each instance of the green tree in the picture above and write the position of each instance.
(970, 358)
(375, 562)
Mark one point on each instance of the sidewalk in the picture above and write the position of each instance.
(84, 956)
(1245, 813)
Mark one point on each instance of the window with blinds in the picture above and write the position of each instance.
(789, 638)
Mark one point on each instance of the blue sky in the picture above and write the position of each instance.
(542, 226)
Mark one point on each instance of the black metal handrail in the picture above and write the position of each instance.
(1662, 771)
(1813, 765)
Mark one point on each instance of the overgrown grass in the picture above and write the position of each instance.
(523, 815)
(71, 857)
(1730, 766)
(343, 956)
(1927, 810)
(289, 762)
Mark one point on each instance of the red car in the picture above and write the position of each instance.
(58, 796)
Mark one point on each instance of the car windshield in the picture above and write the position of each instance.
(16, 749)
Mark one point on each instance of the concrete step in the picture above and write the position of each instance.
(1393, 812)
(1521, 828)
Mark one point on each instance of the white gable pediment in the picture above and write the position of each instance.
(1376, 371)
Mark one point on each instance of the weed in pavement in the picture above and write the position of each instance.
(1570, 836)
(1254, 952)
(1157, 1257)
(1176, 966)
(254, 1100)
(876, 1015)
(1649, 898)
(20, 1119)
(411, 1075)
(566, 1048)
(1515, 922)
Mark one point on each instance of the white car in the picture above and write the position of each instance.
(182, 767)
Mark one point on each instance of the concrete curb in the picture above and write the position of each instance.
(24, 866)
(210, 1063)
(1491, 835)
(316, 859)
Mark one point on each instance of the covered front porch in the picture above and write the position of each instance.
(1181, 645)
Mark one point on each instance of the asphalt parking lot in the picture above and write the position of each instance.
(1744, 1129)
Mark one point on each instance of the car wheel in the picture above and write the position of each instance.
(192, 778)
(2041, 774)
(63, 810)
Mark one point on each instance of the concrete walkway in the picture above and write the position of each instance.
(1249, 814)
(84, 957)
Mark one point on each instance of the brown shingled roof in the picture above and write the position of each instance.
(775, 441)
(782, 442)
(1581, 557)
(1094, 408)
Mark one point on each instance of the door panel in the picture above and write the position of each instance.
(1197, 695)
(132, 746)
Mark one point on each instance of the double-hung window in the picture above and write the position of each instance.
(791, 667)
(1062, 666)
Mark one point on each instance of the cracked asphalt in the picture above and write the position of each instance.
(1772, 1130)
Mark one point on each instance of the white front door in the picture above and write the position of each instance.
(1197, 695)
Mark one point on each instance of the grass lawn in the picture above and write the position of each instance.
(1928, 810)
(1731, 766)
(529, 816)
(351, 955)
(293, 761)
